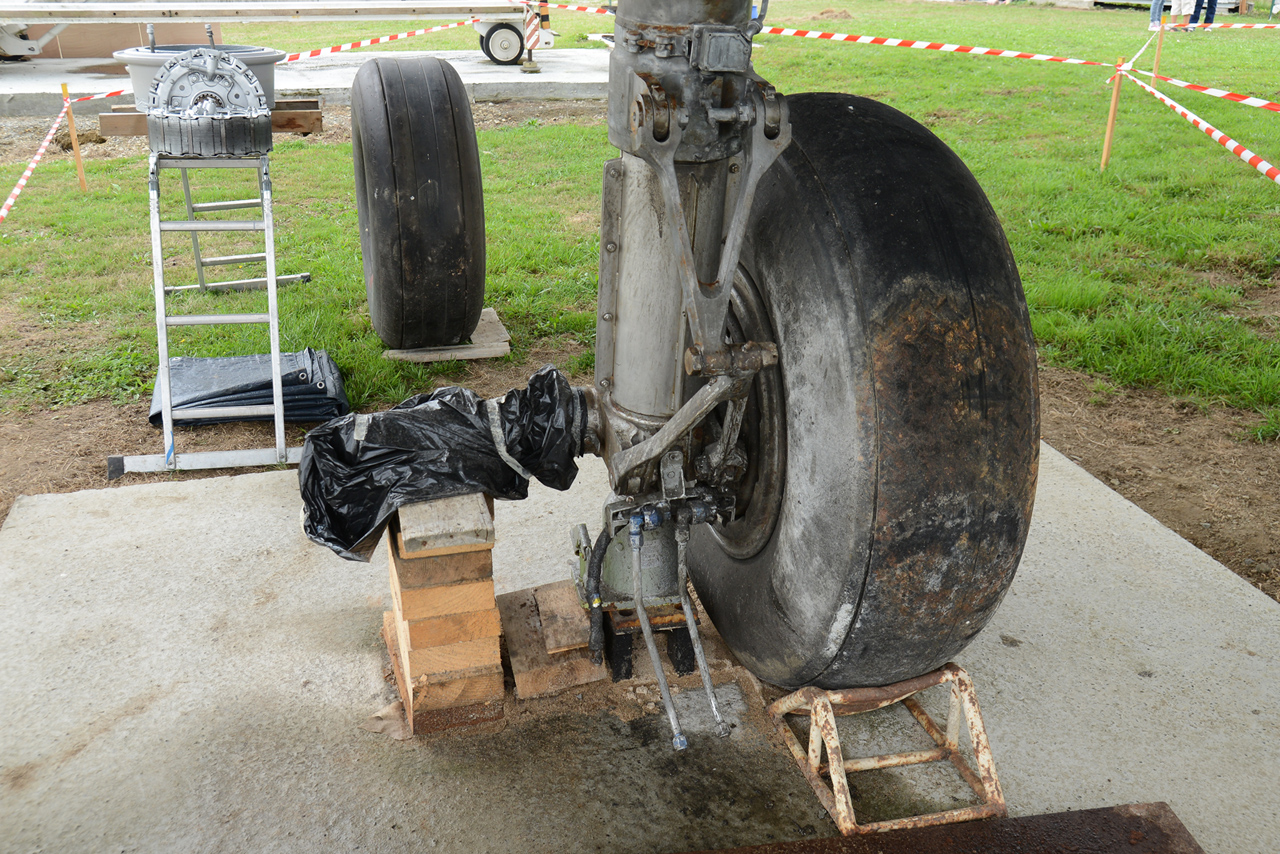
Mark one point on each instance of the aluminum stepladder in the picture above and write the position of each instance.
(170, 460)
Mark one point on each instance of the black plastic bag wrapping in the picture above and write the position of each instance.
(359, 469)
(310, 382)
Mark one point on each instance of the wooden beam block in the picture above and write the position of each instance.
(434, 707)
(537, 672)
(282, 121)
(426, 602)
(463, 523)
(489, 341)
(479, 657)
(296, 104)
(454, 628)
(296, 121)
(459, 692)
(565, 625)
(391, 637)
(428, 721)
(420, 572)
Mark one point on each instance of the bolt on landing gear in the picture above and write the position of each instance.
(815, 382)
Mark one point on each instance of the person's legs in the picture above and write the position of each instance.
(1195, 16)
(1157, 9)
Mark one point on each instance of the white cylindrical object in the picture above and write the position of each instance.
(143, 64)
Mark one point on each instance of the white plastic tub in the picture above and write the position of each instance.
(143, 63)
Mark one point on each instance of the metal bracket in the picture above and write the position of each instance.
(824, 706)
(671, 470)
(706, 305)
(714, 49)
(14, 43)
(716, 391)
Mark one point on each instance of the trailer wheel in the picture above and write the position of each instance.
(892, 453)
(504, 44)
(419, 201)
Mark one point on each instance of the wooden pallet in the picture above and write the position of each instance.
(546, 631)
(296, 116)
(489, 341)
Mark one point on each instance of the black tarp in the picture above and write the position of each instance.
(309, 380)
(359, 469)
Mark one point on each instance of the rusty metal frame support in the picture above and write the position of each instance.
(823, 707)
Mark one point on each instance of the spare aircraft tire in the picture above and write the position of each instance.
(419, 201)
(892, 453)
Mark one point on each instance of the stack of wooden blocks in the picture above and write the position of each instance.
(444, 632)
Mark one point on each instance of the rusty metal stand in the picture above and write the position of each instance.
(823, 707)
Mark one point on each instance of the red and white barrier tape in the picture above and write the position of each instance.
(1171, 25)
(946, 48)
(294, 57)
(1143, 50)
(31, 167)
(594, 10)
(103, 95)
(339, 48)
(1213, 133)
(1247, 100)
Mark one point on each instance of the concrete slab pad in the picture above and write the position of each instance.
(565, 74)
(181, 667)
(34, 87)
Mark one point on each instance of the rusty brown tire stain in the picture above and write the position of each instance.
(910, 433)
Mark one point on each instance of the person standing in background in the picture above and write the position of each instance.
(1181, 9)
(1208, 18)
(1157, 10)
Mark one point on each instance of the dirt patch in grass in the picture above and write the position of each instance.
(1192, 469)
(1260, 308)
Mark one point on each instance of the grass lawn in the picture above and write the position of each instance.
(1142, 274)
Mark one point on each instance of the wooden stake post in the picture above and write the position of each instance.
(1111, 117)
(1155, 69)
(75, 140)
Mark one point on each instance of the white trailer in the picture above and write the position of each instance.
(497, 20)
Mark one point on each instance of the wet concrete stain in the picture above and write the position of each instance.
(595, 782)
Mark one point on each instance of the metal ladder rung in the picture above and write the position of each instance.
(214, 225)
(249, 162)
(236, 259)
(215, 319)
(237, 412)
(233, 205)
(239, 284)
